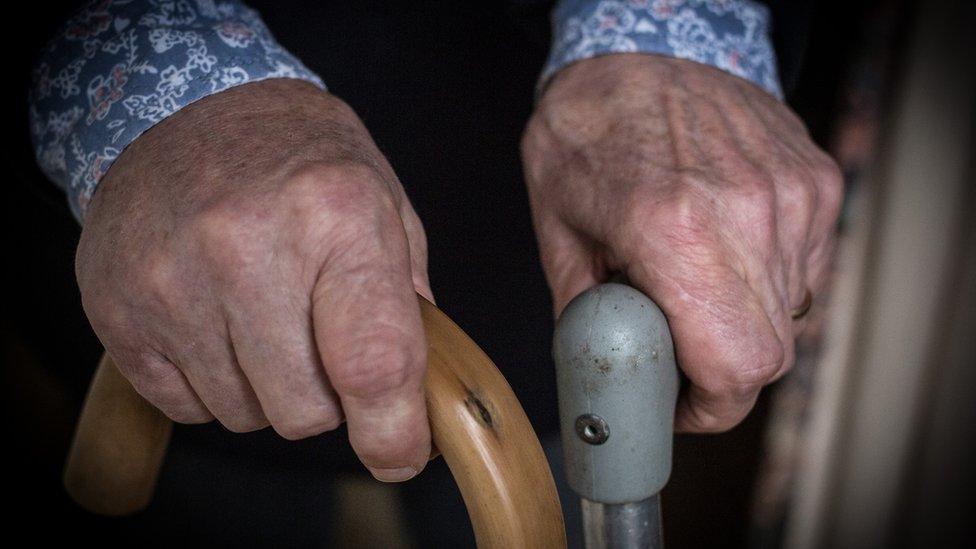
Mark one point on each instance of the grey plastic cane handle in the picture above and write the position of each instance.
(618, 384)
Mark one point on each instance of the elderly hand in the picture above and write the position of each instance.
(706, 192)
(254, 258)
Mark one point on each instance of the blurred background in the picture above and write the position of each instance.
(869, 442)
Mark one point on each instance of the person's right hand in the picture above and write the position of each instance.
(253, 258)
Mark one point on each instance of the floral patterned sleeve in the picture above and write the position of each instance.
(118, 67)
(732, 35)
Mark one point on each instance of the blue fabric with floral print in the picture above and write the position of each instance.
(118, 67)
(732, 35)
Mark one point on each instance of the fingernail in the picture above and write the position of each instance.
(396, 474)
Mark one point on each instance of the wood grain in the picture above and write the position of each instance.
(476, 422)
(481, 430)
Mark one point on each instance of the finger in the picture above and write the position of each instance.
(702, 411)
(724, 341)
(771, 260)
(830, 198)
(272, 335)
(569, 263)
(819, 261)
(417, 241)
(366, 320)
(795, 211)
(207, 360)
(161, 383)
(797, 285)
(767, 266)
(191, 335)
(771, 287)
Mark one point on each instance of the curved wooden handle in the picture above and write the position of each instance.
(480, 428)
(476, 422)
(118, 448)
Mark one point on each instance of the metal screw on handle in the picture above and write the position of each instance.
(592, 429)
(618, 384)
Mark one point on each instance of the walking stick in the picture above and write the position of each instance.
(618, 384)
(476, 422)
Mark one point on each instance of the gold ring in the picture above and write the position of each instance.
(804, 308)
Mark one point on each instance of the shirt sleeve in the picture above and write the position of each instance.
(118, 67)
(732, 35)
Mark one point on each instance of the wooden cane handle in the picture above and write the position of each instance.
(480, 428)
(476, 422)
(118, 447)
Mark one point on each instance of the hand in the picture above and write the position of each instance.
(706, 192)
(254, 258)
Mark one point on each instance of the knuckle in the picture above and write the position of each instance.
(242, 423)
(677, 228)
(765, 362)
(796, 190)
(758, 188)
(235, 414)
(707, 423)
(704, 417)
(187, 415)
(371, 376)
(160, 383)
(681, 213)
(225, 235)
(157, 276)
(687, 205)
(373, 373)
(830, 183)
(296, 426)
(755, 200)
(828, 171)
(341, 206)
(349, 191)
(158, 377)
(386, 453)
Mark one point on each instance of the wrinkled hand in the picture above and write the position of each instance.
(254, 258)
(706, 192)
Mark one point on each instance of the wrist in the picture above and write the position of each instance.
(119, 68)
(220, 144)
(626, 74)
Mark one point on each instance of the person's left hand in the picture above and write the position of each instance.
(703, 189)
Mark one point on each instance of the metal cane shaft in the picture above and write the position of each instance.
(623, 525)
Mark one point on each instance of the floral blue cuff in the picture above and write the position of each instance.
(119, 67)
(732, 35)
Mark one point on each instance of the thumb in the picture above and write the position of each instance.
(570, 263)
(370, 337)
